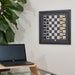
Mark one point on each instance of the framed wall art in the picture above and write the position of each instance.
(55, 27)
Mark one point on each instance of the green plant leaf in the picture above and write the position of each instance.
(9, 35)
(2, 38)
(16, 6)
(3, 24)
(12, 5)
(11, 16)
(23, 1)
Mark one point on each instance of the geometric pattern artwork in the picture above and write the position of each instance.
(55, 27)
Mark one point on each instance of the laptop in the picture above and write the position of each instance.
(13, 55)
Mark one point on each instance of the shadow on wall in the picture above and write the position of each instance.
(19, 34)
(42, 61)
(24, 22)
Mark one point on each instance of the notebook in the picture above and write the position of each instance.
(13, 55)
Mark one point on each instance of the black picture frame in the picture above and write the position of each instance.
(42, 37)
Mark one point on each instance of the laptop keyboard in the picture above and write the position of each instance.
(19, 63)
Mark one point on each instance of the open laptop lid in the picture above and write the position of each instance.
(12, 52)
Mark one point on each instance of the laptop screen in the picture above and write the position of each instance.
(12, 52)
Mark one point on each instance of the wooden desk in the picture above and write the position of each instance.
(33, 68)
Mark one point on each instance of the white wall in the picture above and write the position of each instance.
(59, 59)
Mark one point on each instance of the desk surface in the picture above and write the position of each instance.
(33, 68)
(11, 67)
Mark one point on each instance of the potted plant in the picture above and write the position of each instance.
(8, 16)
